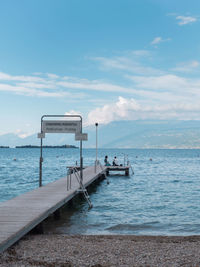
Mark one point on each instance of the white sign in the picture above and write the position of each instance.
(41, 135)
(61, 126)
(81, 136)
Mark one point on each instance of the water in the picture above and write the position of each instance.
(161, 198)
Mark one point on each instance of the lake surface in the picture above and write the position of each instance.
(161, 198)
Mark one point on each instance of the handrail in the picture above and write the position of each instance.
(69, 178)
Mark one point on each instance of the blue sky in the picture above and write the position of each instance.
(106, 60)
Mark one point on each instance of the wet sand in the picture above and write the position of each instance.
(111, 250)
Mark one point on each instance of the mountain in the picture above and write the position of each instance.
(153, 134)
(123, 134)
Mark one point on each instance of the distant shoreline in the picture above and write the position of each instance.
(63, 146)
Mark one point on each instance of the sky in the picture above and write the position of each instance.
(105, 60)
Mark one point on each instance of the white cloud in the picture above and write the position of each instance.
(150, 88)
(167, 89)
(158, 40)
(167, 82)
(52, 76)
(43, 85)
(94, 86)
(130, 109)
(127, 63)
(73, 112)
(143, 91)
(153, 93)
(22, 78)
(4, 76)
(164, 82)
(22, 134)
(55, 86)
(189, 66)
(26, 91)
(113, 112)
(183, 20)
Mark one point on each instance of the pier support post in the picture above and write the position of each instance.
(38, 229)
(56, 215)
(70, 203)
(127, 172)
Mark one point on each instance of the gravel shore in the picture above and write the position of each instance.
(106, 251)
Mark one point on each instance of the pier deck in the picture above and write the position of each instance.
(117, 169)
(21, 214)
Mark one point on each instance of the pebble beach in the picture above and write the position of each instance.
(102, 251)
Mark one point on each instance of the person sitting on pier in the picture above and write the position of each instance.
(115, 162)
(106, 161)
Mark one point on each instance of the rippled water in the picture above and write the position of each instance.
(162, 197)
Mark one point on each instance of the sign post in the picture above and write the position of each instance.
(61, 126)
(81, 136)
(96, 124)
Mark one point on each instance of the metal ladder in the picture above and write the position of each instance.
(99, 163)
(127, 162)
(82, 189)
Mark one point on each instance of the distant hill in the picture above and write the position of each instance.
(148, 134)
(123, 134)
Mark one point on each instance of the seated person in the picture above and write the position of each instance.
(106, 161)
(115, 162)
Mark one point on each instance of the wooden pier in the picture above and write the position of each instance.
(20, 215)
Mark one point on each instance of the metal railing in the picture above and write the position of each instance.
(69, 178)
(127, 162)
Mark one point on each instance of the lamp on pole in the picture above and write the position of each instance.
(96, 124)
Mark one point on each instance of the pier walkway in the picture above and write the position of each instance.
(21, 214)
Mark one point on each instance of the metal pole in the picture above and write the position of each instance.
(81, 157)
(40, 180)
(96, 124)
(41, 159)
